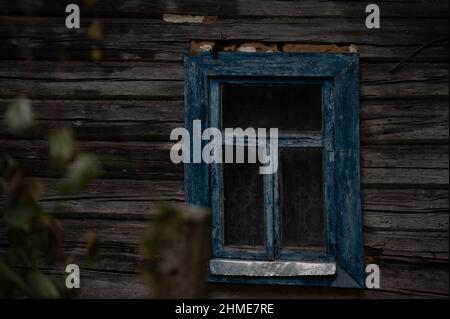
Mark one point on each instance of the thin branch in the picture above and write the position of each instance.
(416, 52)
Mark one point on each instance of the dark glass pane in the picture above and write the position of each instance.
(301, 194)
(286, 107)
(244, 205)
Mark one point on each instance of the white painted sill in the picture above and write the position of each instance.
(252, 268)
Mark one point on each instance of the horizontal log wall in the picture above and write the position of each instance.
(123, 108)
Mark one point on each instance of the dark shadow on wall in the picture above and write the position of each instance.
(121, 8)
(203, 7)
(108, 29)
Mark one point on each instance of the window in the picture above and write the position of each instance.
(302, 224)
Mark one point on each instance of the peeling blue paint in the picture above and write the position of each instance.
(339, 76)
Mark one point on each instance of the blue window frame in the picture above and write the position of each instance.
(341, 262)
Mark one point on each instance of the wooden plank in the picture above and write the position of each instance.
(404, 177)
(137, 90)
(395, 276)
(405, 200)
(100, 284)
(88, 71)
(119, 258)
(109, 199)
(375, 73)
(429, 282)
(404, 121)
(382, 121)
(413, 80)
(118, 189)
(141, 199)
(152, 90)
(101, 112)
(249, 292)
(403, 277)
(140, 208)
(118, 243)
(371, 73)
(384, 156)
(36, 49)
(150, 151)
(116, 120)
(93, 208)
(405, 89)
(398, 280)
(405, 221)
(141, 160)
(373, 53)
(165, 81)
(424, 244)
(405, 156)
(153, 163)
(111, 232)
(247, 8)
(110, 72)
(122, 236)
(415, 32)
(81, 80)
(432, 245)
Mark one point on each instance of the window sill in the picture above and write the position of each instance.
(251, 268)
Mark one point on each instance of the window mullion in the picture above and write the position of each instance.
(269, 215)
(329, 168)
(276, 212)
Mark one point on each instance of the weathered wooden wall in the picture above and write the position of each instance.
(124, 107)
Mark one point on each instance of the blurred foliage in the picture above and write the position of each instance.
(176, 250)
(90, 3)
(95, 31)
(92, 249)
(19, 116)
(96, 54)
(35, 239)
(157, 247)
(163, 233)
(62, 147)
(84, 169)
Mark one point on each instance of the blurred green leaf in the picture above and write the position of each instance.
(92, 248)
(41, 286)
(84, 169)
(95, 31)
(8, 169)
(163, 232)
(90, 2)
(33, 190)
(96, 54)
(20, 215)
(10, 279)
(34, 238)
(19, 115)
(62, 146)
(51, 237)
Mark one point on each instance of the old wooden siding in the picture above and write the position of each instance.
(124, 107)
